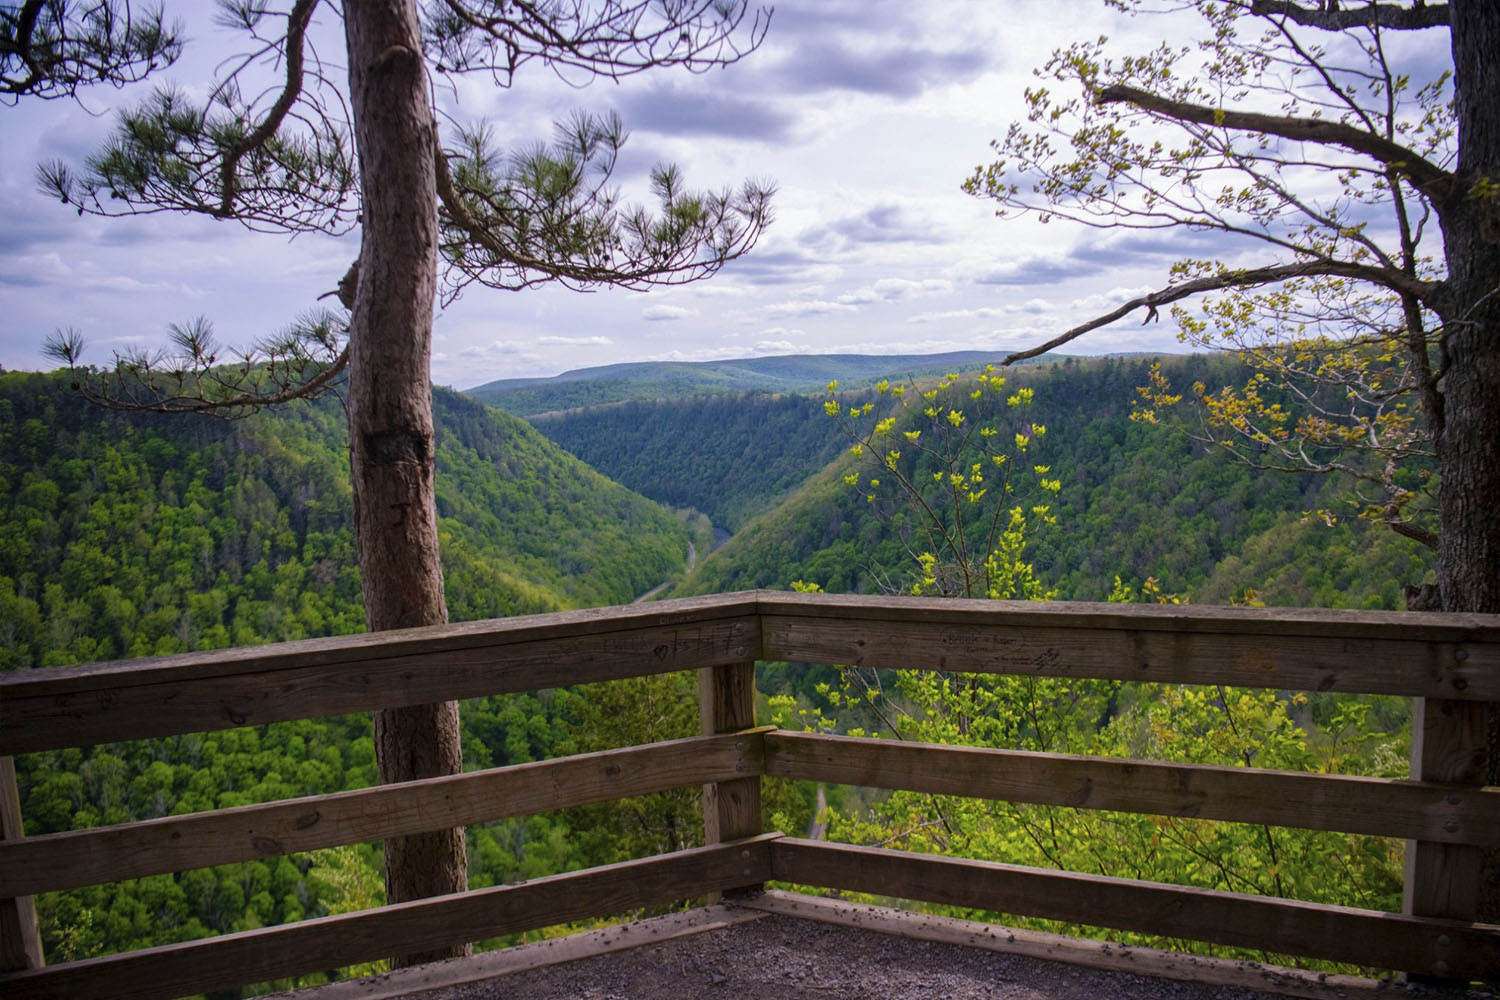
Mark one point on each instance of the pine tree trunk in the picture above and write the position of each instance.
(1468, 431)
(390, 411)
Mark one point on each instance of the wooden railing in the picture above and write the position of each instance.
(1450, 663)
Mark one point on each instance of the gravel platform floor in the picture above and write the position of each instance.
(769, 949)
(785, 958)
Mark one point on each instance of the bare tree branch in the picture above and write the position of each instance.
(1330, 17)
(1389, 277)
(612, 38)
(1428, 177)
(1415, 532)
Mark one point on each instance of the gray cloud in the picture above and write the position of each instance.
(1161, 245)
(813, 308)
(32, 221)
(1091, 258)
(664, 313)
(883, 223)
(697, 110)
(1031, 271)
(860, 47)
(890, 71)
(781, 267)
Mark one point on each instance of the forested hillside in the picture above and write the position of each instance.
(649, 380)
(1137, 500)
(729, 455)
(130, 535)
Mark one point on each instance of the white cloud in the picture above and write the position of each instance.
(896, 289)
(927, 346)
(956, 315)
(816, 307)
(1109, 299)
(1030, 271)
(576, 341)
(661, 313)
(124, 283)
(781, 347)
(702, 354)
(712, 290)
(495, 349)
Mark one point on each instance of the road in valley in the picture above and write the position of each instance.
(692, 561)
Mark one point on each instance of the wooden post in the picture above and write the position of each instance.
(20, 941)
(726, 704)
(1443, 880)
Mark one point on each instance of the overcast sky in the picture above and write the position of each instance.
(867, 115)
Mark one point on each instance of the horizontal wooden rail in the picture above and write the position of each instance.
(177, 843)
(1452, 659)
(1432, 655)
(1449, 948)
(1375, 806)
(99, 703)
(1429, 655)
(1381, 807)
(423, 925)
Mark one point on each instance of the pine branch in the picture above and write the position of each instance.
(303, 362)
(539, 222)
(48, 52)
(237, 404)
(1428, 177)
(296, 35)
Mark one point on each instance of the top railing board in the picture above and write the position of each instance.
(196, 692)
(1418, 654)
(1414, 654)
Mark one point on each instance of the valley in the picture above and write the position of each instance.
(131, 535)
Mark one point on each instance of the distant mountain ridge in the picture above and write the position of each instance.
(796, 373)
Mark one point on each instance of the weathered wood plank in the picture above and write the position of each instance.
(179, 843)
(128, 703)
(1382, 807)
(1448, 744)
(1481, 629)
(726, 704)
(351, 650)
(1007, 643)
(1435, 655)
(1382, 940)
(421, 925)
(20, 940)
(1133, 959)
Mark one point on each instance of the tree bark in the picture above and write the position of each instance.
(1468, 435)
(1467, 432)
(391, 438)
